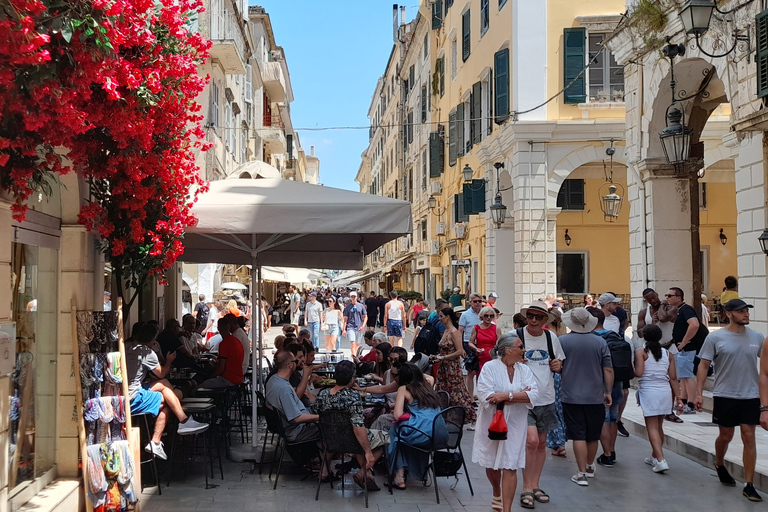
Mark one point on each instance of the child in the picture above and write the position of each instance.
(421, 321)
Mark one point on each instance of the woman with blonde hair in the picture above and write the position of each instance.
(232, 307)
(484, 335)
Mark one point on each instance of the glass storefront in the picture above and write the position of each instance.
(33, 389)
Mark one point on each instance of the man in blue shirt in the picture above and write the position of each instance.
(355, 318)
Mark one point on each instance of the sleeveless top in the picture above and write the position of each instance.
(395, 313)
(666, 327)
(332, 317)
(486, 339)
(655, 372)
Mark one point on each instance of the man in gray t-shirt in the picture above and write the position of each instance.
(299, 424)
(735, 350)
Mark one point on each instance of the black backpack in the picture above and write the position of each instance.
(621, 355)
(428, 340)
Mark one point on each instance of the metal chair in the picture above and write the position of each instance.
(453, 419)
(338, 436)
(282, 443)
(207, 412)
(445, 398)
(272, 421)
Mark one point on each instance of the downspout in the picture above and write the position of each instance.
(546, 226)
(530, 218)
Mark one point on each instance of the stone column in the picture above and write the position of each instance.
(751, 209)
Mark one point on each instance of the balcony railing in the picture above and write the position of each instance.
(228, 43)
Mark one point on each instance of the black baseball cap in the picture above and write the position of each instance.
(736, 305)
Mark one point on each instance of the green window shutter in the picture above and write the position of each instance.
(424, 103)
(465, 36)
(452, 136)
(474, 197)
(460, 130)
(575, 46)
(501, 83)
(489, 96)
(761, 28)
(476, 113)
(459, 214)
(442, 76)
(437, 14)
(436, 156)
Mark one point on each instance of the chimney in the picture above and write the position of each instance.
(395, 23)
(312, 150)
(402, 15)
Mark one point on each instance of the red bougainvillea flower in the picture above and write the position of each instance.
(111, 84)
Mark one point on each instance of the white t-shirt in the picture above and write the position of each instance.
(213, 314)
(213, 343)
(313, 311)
(538, 361)
(612, 323)
(332, 316)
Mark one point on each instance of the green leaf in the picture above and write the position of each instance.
(89, 31)
(76, 23)
(66, 32)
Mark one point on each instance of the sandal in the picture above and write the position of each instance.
(527, 500)
(540, 496)
(359, 479)
(496, 503)
(559, 452)
(673, 418)
(395, 485)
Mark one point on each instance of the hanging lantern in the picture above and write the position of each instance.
(612, 202)
(696, 15)
(676, 138)
(498, 211)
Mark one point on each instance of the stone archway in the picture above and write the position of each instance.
(572, 161)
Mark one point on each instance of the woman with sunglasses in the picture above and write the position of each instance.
(484, 335)
(449, 376)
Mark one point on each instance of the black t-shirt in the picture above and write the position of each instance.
(169, 342)
(372, 305)
(382, 305)
(685, 313)
(621, 314)
(202, 311)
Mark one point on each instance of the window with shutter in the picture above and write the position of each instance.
(436, 155)
(448, 3)
(424, 103)
(476, 113)
(474, 197)
(452, 139)
(437, 14)
(459, 215)
(465, 36)
(501, 83)
(484, 16)
(410, 127)
(442, 76)
(411, 77)
(488, 97)
(574, 43)
(460, 130)
(761, 28)
(571, 195)
(248, 82)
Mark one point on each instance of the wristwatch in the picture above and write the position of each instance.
(510, 396)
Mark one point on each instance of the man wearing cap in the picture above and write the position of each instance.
(543, 355)
(456, 298)
(313, 312)
(492, 303)
(585, 387)
(355, 318)
(608, 303)
(467, 322)
(735, 350)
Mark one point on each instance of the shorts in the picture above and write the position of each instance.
(684, 361)
(333, 330)
(295, 318)
(371, 322)
(543, 417)
(147, 401)
(617, 396)
(395, 328)
(731, 412)
(583, 422)
(354, 335)
(626, 384)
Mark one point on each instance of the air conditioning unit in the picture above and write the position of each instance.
(434, 247)
(460, 230)
(435, 187)
(440, 228)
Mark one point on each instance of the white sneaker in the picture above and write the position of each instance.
(192, 427)
(156, 449)
(580, 479)
(590, 472)
(651, 461)
(660, 466)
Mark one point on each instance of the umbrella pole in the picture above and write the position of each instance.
(256, 343)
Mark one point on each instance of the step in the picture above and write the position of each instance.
(695, 440)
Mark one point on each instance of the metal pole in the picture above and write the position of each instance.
(256, 345)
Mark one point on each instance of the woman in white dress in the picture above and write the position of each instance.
(505, 379)
(656, 391)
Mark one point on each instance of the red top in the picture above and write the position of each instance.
(231, 349)
(486, 339)
(370, 356)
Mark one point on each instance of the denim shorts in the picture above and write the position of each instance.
(617, 396)
(333, 329)
(354, 335)
(395, 328)
(684, 360)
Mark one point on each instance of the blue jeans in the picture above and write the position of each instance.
(314, 333)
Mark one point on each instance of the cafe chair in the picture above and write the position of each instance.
(283, 445)
(445, 398)
(185, 454)
(272, 421)
(145, 434)
(445, 459)
(339, 437)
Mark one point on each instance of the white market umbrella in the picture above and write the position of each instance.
(233, 286)
(290, 224)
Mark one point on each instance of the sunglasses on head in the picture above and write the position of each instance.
(532, 316)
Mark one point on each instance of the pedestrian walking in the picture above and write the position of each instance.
(355, 318)
(313, 315)
(332, 320)
(587, 380)
(688, 335)
(556, 438)
(734, 349)
(505, 382)
(469, 319)
(484, 335)
(394, 315)
(656, 393)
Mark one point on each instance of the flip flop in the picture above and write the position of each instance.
(560, 452)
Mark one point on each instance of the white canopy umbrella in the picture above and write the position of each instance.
(233, 286)
(290, 224)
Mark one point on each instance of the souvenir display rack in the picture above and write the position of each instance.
(108, 445)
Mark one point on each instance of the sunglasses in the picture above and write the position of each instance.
(531, 316)
(671, 295)
(477, 300)
(489, 316)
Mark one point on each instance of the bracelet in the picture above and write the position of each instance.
(763, 408)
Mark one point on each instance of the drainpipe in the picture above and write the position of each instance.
(530, 218)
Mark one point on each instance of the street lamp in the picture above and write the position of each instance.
(611, 204)
(498, 211)
(763, 239)
(723, 238)
(432, 202)
(467, 173)
(567, 238)
(676, 138)
(696, 15)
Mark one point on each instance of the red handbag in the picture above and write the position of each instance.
(497, 430)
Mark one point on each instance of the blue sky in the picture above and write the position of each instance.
(336, 50)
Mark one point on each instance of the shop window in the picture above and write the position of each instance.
(572, 272)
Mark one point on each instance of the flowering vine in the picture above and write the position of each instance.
(107, 87)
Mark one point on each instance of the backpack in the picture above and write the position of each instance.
(521, 334)
(428, 340)
(621, 355)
